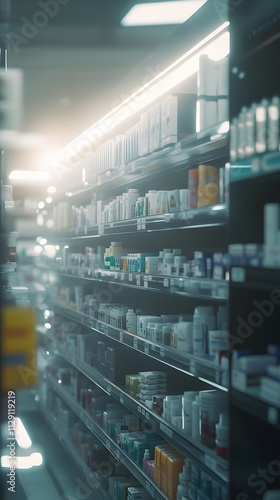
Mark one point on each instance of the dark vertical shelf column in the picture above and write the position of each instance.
(254, 424)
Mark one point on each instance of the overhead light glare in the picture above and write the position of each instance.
(22, 435)
(29, 175)
(160, 13)
(33, 460)
(216, 45)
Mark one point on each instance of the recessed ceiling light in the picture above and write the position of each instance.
(157, 13)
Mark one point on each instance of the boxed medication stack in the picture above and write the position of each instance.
(151, 384)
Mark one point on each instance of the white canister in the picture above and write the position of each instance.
(164, 202)
(174, 200)
(131, 200)
(183, 336)
(158, 202)
(183, 194)
(187, 399)
(131, 321)
(218, 341)
(152, 202)
(204, 319)
(168, 263)
(142, 323)
(178, 268)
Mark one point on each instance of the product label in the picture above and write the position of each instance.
(135, 343)
(146, 348)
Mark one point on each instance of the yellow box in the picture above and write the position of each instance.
(171, 461)
(174, 467)
(19, 347)
(157, 474)
(159, 449)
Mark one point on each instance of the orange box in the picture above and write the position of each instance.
(174, 467)
(169, 461)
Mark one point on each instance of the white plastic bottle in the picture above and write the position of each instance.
(222, 318)
(168, 263)
(187, 400)
(222, 436)
(146, 457)
(196, 418)
(131, 321)
(131, 199)
(184, 479)
(152, 201)
(204, 319)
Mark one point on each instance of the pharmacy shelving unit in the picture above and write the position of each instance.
(254, 421)
(202, 229)
(155, 294)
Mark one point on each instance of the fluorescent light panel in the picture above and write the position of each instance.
(33, 460)
(216, 45)
(159, 13)
(22, 435)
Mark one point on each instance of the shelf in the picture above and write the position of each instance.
(65, 441)
(251, 402)
(188, 363)
(209, 216)
(255, 277)
(204, 455)
(208, 145)
(258, 168)
(200, 288)
(207, 459)
(86, 418)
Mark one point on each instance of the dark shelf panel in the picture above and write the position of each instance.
(249, 402)
(255, 277)
(262, 167)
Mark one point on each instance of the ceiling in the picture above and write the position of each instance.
(73, 67)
